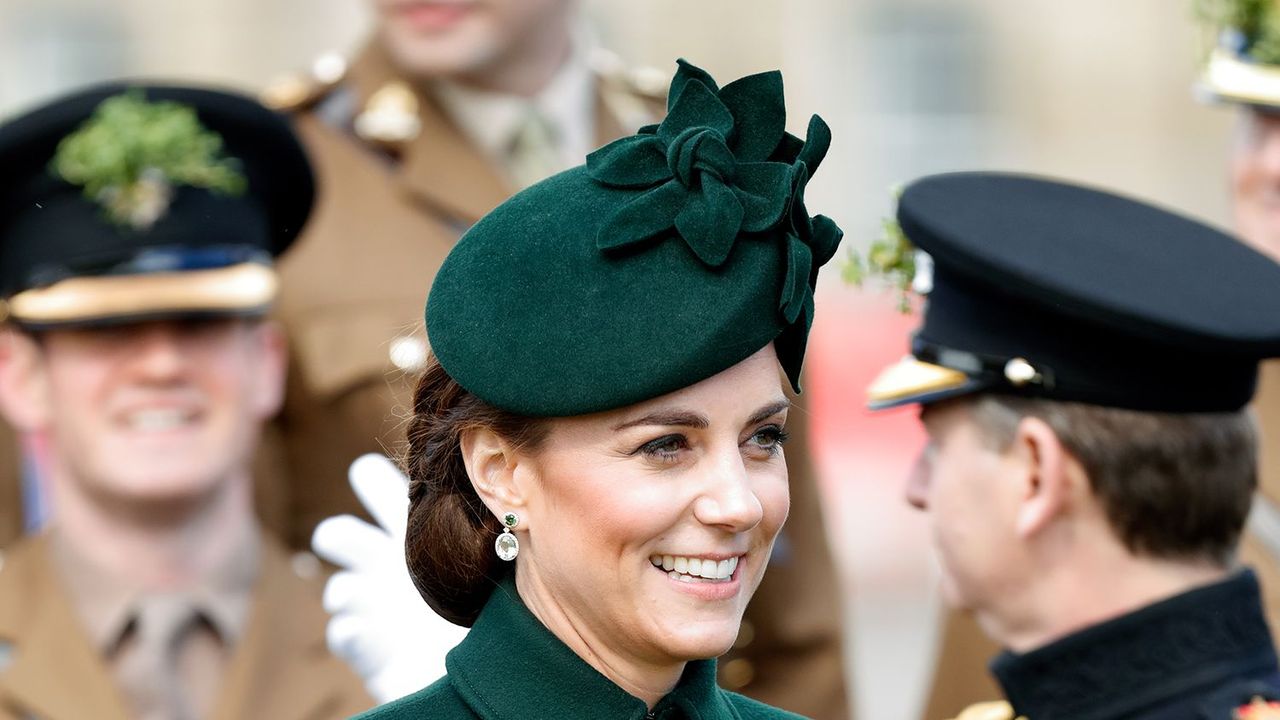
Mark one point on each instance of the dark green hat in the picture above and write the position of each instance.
(130, 201)
(670, 256)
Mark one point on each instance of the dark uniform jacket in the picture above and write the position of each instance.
(280, 668)
(1200, 655)
(352, 294)
(510, 667)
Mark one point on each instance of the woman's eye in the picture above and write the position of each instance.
(666, 447)
(770, 439)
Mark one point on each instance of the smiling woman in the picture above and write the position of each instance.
(595, 457)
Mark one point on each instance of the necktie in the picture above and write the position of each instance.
(533, 155)
(148, 674)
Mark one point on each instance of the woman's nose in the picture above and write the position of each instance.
(729, 500)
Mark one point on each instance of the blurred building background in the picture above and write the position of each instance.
(1093, 90)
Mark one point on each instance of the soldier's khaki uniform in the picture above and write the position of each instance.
(280, 668)
(352, 303)
(961, 677)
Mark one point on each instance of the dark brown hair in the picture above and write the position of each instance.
(450, 533)
(1173, 486)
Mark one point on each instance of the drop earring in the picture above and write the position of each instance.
(507, 545)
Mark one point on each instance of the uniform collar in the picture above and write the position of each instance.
(106, 605)
(1189, 642)
(492, 120)
(511, 667)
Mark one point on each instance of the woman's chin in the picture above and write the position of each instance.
(701, 640)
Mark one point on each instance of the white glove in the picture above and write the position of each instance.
(380, 625)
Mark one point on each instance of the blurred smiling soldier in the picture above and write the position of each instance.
(137, 233)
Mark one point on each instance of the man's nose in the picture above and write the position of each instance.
(917, 490)
(158, 351)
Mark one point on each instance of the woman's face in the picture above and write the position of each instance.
(647, 529)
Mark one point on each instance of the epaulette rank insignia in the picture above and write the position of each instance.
(298, 91)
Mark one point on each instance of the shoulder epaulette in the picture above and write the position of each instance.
(302, 90)
(646, 81)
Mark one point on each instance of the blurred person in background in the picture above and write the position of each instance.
(1244, 71)
(1082, 369)
(450, 108)
(139, 226)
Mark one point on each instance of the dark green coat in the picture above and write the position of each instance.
(510, 667)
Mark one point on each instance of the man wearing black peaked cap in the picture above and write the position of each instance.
(138, 227)
(1082, 370)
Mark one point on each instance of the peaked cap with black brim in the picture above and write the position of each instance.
(1052, 290)
(670, 256)
(188, 248)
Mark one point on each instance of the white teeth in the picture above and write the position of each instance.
(690, 569)
(155, 420)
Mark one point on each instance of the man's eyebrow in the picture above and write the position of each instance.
(679, 418)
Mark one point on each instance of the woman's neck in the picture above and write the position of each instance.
(650, 681)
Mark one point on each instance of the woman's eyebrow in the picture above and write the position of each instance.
(668, 417)
(769, 411)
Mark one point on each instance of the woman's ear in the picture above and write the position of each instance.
(492, 464)
(24, 381)
(1044, 464)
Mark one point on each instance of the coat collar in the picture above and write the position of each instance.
(1193, 641)
(440, 167)
(275, 668)
(39, 630)
(511, 667)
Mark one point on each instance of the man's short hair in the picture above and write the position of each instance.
(1173, 486)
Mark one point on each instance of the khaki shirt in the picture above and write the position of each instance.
(279, 668)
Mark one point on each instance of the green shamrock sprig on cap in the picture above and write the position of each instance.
(891, 259)
(131, 154)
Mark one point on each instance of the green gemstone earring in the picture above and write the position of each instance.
(507, 545)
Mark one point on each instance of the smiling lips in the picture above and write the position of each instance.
(156, 420)
(694, 570)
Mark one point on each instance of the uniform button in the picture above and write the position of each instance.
(409, 353)
(746, 634)
(305, 565)
(329, 68)
(737, 673)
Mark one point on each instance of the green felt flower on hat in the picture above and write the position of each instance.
(132, 153)
(811, 241)
(705, 171)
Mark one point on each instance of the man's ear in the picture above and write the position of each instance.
(494, 468)
(271, 365)
(24, 381)
(1047, 479)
